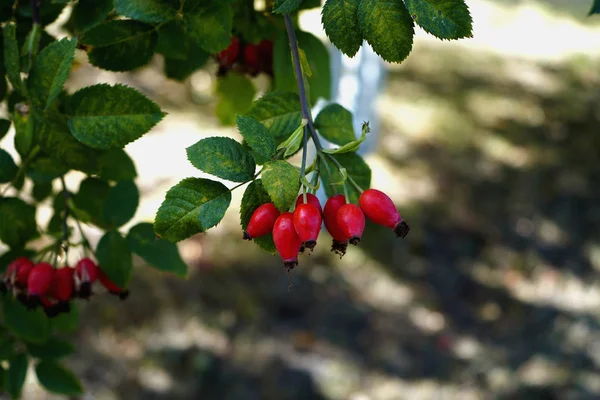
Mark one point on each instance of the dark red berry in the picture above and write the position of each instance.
(111, 287)
(86, 273)
(262, 221)
(380, 209)
(351, 220)
(310, 199)
(307, 222)
(340, 240)
(64, 281)
(265, 48)
(40, 279)
(252, 58)
(18, 271)
(287, 240)
(228, 56)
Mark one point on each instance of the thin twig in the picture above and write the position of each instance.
(35, 11)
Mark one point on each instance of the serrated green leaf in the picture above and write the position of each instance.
(340, 20)
(29, 325)
(159, 253)
(8, 168)
(121, 204)
(388, 27)
(17, 222)
(181, 69)
(108, 117)
(353, 145)
(12, 59)
(50, 72)
(53, 348)
(58, 379)
(48, 12)
(209, 25)
(192, 206)
(151, 11)
(279, 112)
(235, 93)
(173, 41)
(90, 199)
(24, 132)
(286, 6)
(116, 165)
(222, 157)
(255, 196)
(114, 257)
(16, 374)
(4, 127)
(89, 13)
(120, 45)
(256, 136)
(355, 167)
(334, 123)
(41, 191)
(445, 19)
(281, 180)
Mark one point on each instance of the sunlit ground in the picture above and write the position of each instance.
(490, 148)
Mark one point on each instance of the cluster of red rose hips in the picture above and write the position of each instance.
(247, 57)
(53, 288)
(345, 222)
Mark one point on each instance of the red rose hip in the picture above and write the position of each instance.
(40, 279)
(310, 199)
(251, 57)
(18, 272)
(86, 273)
(228, 56)
(111, 287)
(287, 240)
(380, 209)
(307, 222)
(340, 240)
(64, 281)
(262, 221)
(351, 221)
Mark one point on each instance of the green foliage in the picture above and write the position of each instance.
(151, 11)
(88, 13)
(286, 6)
(178, 69)
(108, 117)
(159, 253)
(29, 325)
(114, 257)
(24, 133)
(8, 168)
(279, 112)
(445, 19)
(340, 20)
(192, 206)
(120, 204)
(222, 157)
(256, 136)
(255, 196)
(12, 61)
(334, 122)
(16, 374)
(356, 167)
(4, 127)
(281, 180)
(58, 379)
(17, 222)
(595, 8)
(116, 165)
(53, 348)
(172, 41)
(209, 24)
(235, 92)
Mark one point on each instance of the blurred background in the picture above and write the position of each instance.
(490, 148)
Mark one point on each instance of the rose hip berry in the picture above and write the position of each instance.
(265, 48)
(262, 221)
(287, 240)
(252, 58)
(18, 272)
(40, 279)
(228, 56)
(340, 240)
(380, 209)
(64, 281)
(310, 199)
(86, 273)
(111, 287)
(351, 220)
(307, 222)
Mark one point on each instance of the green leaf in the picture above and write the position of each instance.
(2, 379)
(255, 196)
(58, 379)
(24, 132)
(388, 27)
(45, 169)
(90, 200)
(50, 72)
(222, 157)
(89, 13)
(8, 168)
(179, 70)
(4, 127)
(281, 180)
(159, 253)
(67, 322)
(334, 123)
(53, 348)
(17, 222)
(31, 47)
(173, 41)
(353, 145)
(595, 8)
(151, 11)
(7, 347)
(293, 143)
(121, 204)
(445, 19)
(340, 20)
(192, 206)
(120, 45)
(29, 325)
(286, 6)
(235, 93)
(12, 60)
(209, 25)
(109, 117)
(16, 374)
(114, 257)
(256, 136)
(41, 190)
(116, 165)
(279, 112)
(355, 166)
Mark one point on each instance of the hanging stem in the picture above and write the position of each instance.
(65, 227)
(35, 11)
